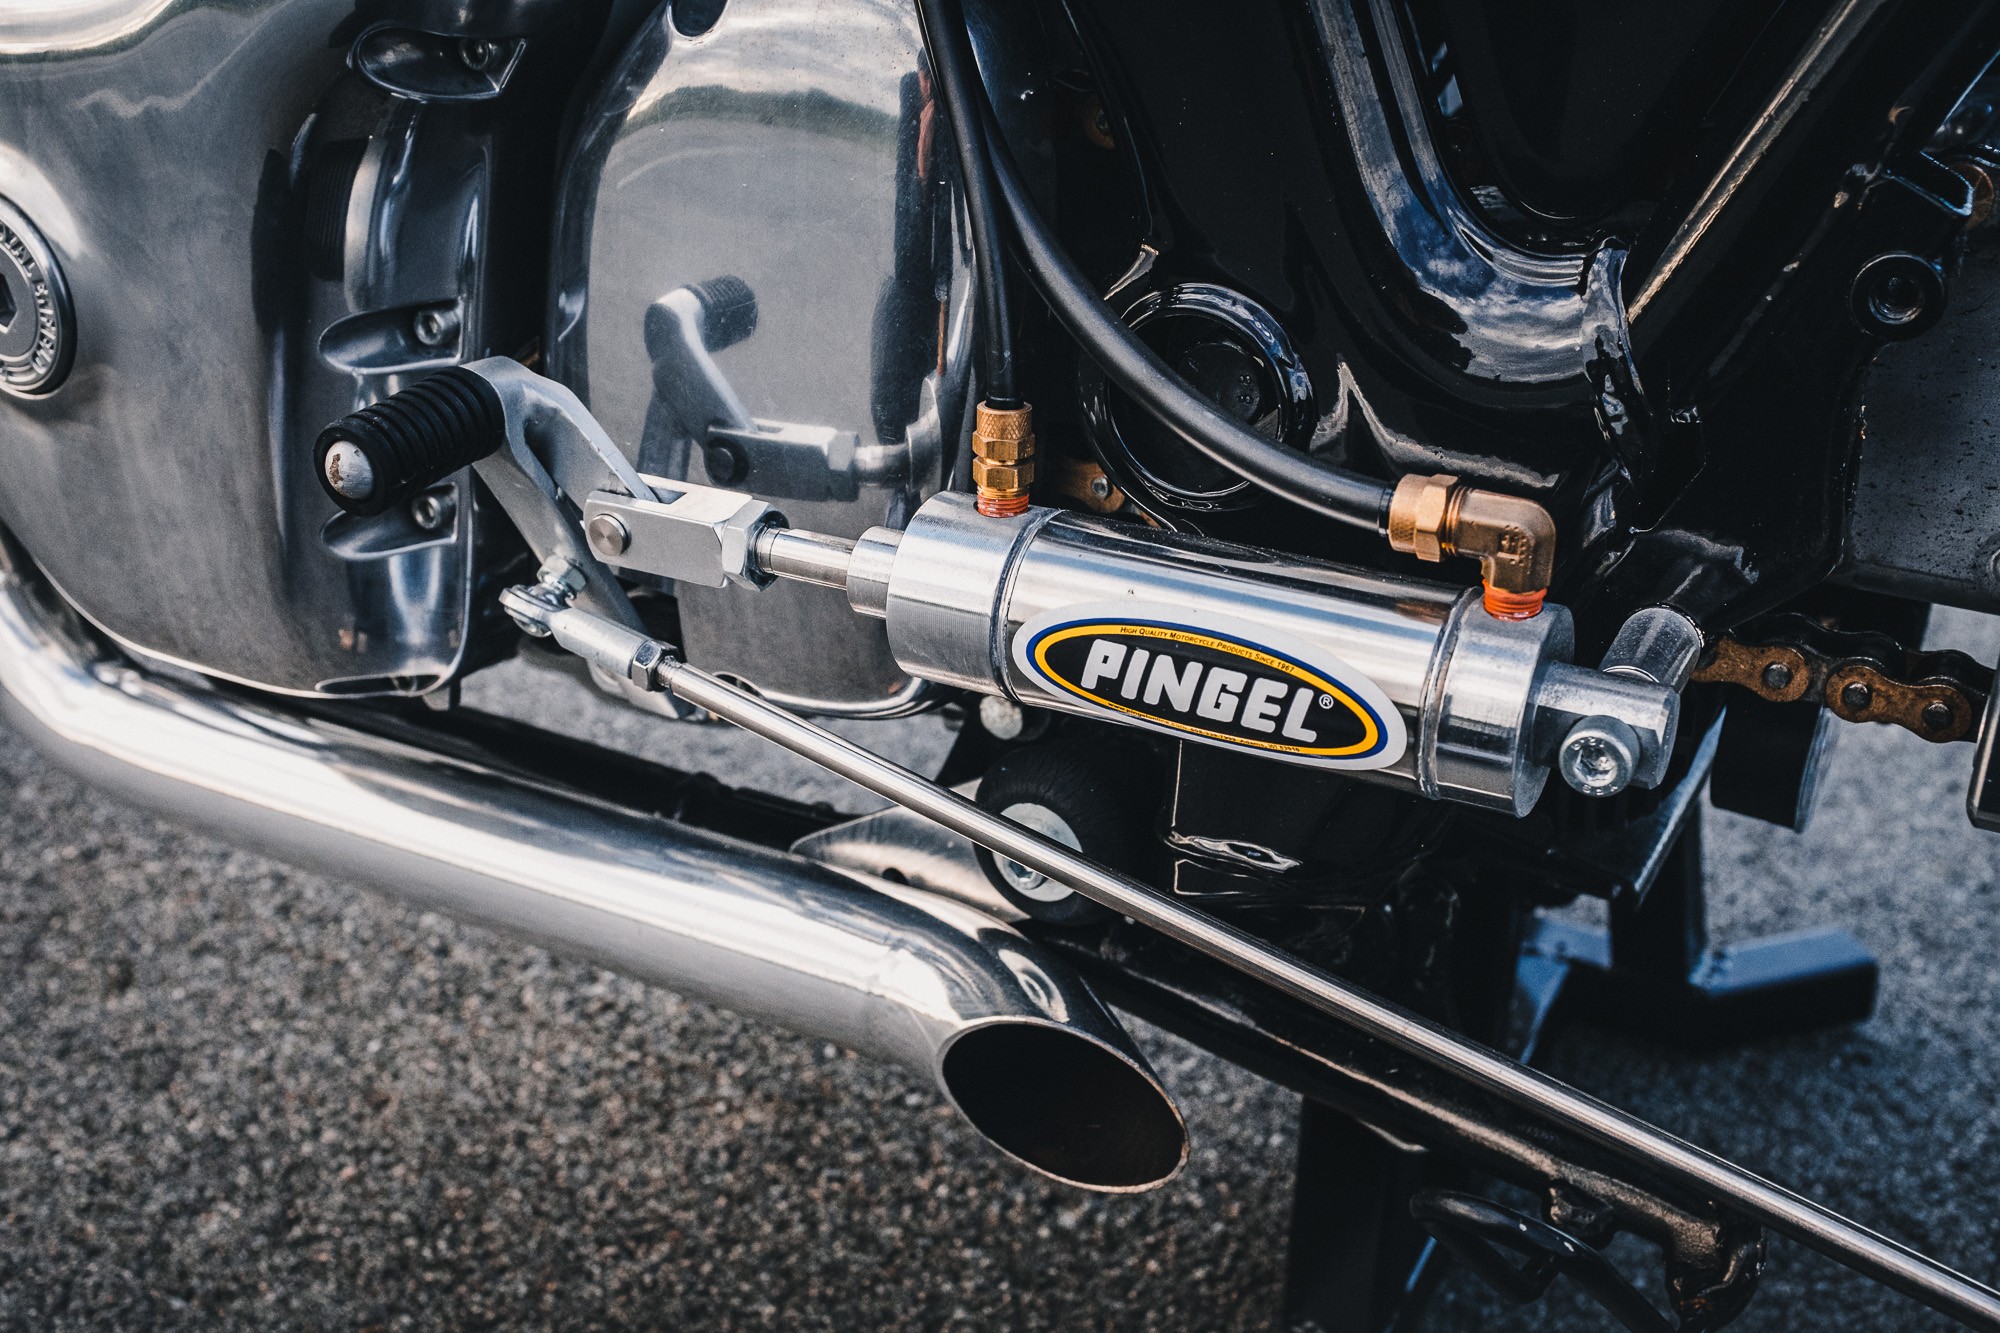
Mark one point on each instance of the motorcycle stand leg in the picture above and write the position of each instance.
(1357, 1261)
(1654, 972)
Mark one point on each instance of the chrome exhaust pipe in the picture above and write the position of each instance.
(1016, 1041)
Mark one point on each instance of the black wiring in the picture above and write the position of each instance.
(963, 100)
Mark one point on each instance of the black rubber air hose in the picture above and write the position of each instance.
(1134, 367)
(955, 76)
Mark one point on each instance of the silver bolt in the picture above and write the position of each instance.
(428, 511)
(434, 326)
(1599, 756)
(1025, 880)
(348, 470)
(1100, 487)
(562, 576)
(644, 668)
(607, 535)
(1002, 718)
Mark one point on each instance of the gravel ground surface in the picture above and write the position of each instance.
(236, 1095)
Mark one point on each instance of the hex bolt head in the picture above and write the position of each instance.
(562, 576)
(644, 668)
(607, 535)
(435, 325)
(1937, 715)
(428, 511)
(1777, 676)
(348, 470)
(1599, 756)
(1856, 696)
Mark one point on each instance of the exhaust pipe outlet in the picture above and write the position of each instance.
(1014, 1039)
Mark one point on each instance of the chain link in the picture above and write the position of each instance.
(1862, 677)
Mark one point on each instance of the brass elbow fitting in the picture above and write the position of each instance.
(1003, 459)
(1514, 540)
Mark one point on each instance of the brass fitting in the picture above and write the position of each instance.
(1514, 540)
(1003, 459)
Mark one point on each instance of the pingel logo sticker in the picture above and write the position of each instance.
(1226, 684)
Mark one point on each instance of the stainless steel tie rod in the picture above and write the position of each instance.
(649, 664)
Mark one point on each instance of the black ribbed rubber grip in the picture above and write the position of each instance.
(728, 311)
(416, 438)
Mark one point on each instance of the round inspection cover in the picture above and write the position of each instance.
(37, 324)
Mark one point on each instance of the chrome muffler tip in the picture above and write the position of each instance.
(1072, 1106)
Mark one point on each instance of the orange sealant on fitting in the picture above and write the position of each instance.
(1504, 605)
(1514, 540)
(1003, 459)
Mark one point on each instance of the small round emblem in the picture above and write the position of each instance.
(37, 324)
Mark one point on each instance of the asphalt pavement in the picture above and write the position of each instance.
(233, 1094)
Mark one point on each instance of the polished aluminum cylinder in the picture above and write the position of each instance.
(962, 585)
(1011, 1036)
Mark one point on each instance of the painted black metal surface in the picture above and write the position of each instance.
(1430, 343)
(1438, 220)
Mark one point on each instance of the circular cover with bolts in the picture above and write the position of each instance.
(1238, 356)
(37, 323)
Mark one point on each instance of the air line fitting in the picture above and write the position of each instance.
(1003, 459)
(1514, 540)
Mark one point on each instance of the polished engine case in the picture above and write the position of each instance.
(796, 148)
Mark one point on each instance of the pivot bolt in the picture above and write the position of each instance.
(1003, 719)
(1599, 756)
(429, 511)
(1777, 676)
(435, 325)
(1937, 715)
(1856, 696)
(607, 535)
(476, 53)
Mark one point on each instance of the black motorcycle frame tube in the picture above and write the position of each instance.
(955, 74)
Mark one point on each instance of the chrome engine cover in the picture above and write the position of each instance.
(248, 230)
(794, 148)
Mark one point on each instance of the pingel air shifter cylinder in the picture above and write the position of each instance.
(1390, 679)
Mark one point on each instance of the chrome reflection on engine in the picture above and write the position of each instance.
(788, 169)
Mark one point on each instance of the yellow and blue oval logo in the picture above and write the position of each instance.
(1226, 684)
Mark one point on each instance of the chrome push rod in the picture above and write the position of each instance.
(1818, 1228)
